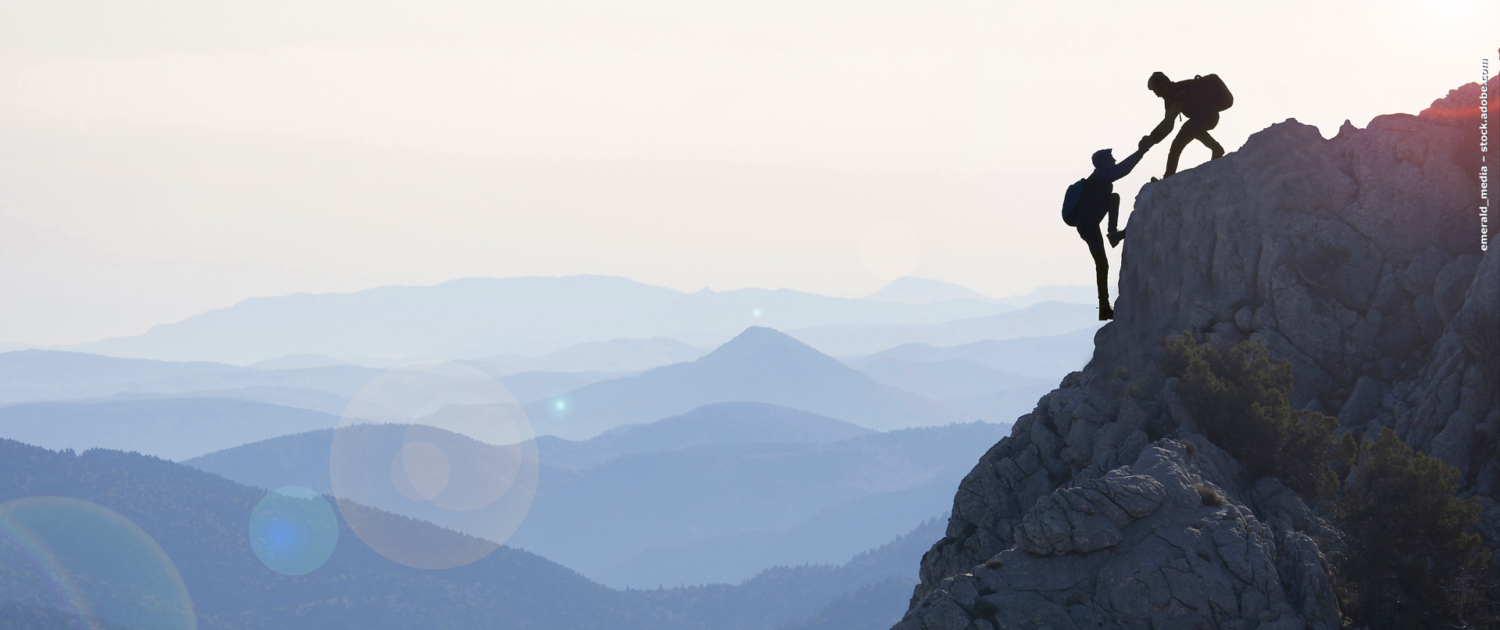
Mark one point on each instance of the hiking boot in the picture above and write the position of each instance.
(1116, 237)
(1105, 312)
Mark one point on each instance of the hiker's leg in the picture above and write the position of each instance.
(1101, 273)
(1090, 234)
(1201, 127)
(1178, 143)
(1213, 145)
(1114, 212)
(1115, 235)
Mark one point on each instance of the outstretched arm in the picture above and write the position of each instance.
(1123, 168)
(1164, 128)
(1128, 164)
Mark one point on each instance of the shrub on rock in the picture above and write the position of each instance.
(1243, 400)
(1412, 560)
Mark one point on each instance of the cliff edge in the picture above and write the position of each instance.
(1356, 258)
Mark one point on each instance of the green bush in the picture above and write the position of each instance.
(1411, 561)
(1242, 399)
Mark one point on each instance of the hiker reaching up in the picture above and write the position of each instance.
(1092, 198)
(1200, 99)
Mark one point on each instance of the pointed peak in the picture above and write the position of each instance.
(763, 334)
(759, 338)
(911, 290)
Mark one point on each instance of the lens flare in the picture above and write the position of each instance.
(92, 563)
(293, 530)
(439, 442)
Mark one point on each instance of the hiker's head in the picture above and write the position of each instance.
(1103, 158)
(1158, 83)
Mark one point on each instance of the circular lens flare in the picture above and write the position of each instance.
(91, 563)
(293, 530)
(420, 471)
(439, 442)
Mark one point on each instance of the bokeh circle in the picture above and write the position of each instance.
(440, 442)
(89, 564)
(293, 530)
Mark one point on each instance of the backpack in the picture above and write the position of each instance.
(1071, 202)
(1206, 95)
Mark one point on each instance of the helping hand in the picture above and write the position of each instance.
(1145, 143)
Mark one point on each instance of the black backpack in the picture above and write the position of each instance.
(1206, 95)
(1080, 193)
(1072, 200)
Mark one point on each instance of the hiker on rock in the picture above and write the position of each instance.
(1200, 99)
(1089, 200)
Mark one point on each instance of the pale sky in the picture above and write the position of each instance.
(158, 159)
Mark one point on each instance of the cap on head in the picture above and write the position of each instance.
(1103, 158)
(1158, 82)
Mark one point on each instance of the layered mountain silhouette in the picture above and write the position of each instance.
(759, 365)
(200, 521)
(772, 479)
(822, 538)
(948, 378)
(481, 317)
(1037, 320)
(910, 290)
(298, 362)
(994, 381)
(614, 355)
(35, 375)
(171, 428)
(718, 423)
(1049, 357)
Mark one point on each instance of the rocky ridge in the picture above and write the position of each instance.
(1357, 259)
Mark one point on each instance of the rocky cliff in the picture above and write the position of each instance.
(1356, 258)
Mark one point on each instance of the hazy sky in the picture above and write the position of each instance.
(158, 159)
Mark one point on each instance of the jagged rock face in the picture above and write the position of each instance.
(1356, 258)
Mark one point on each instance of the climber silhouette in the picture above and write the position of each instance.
(1091, 199)
(1200, 99)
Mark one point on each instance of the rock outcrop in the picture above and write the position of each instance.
(1356, 258)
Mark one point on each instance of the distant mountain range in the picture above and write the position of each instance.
(98, 401)
(911, 290)
(49, 375)
(1039, 357)
(614, 355)
(946, 378)
(38, 375)
(170, 428)
(923, 291)
(643, 505)
(826, 537)
(200, 521)
(719, 423)
(760, 365)
(1043, 319)
(994, 381)
(481, 317)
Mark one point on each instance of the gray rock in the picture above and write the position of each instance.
(1362, 403)
(1169, 559)
(1354, 258)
